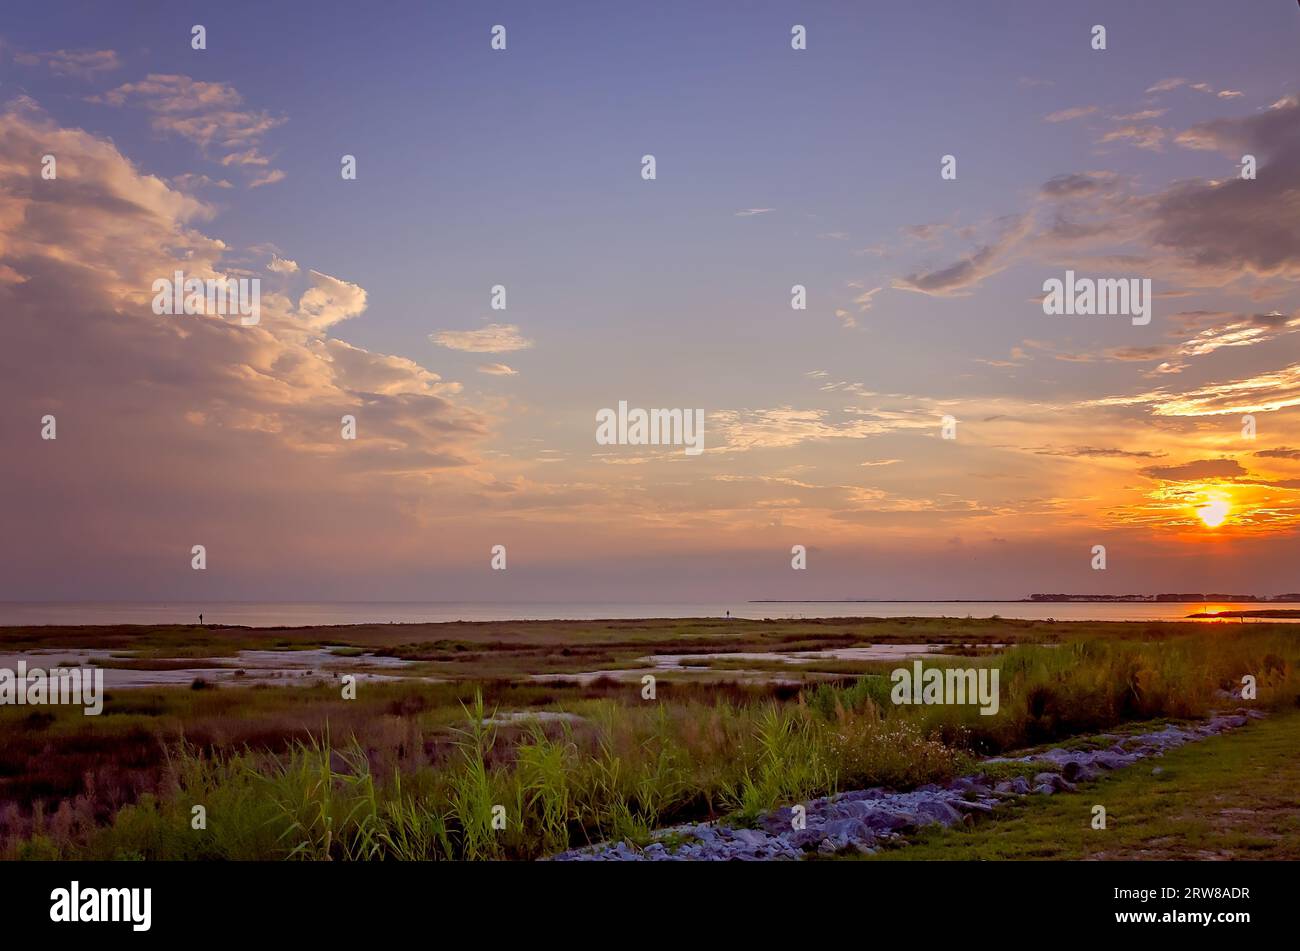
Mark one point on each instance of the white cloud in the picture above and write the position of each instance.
(1165, 85)
(209, 114)
(864, 299)
(494, 338)
(329, 301)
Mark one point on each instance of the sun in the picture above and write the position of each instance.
(1214, 513)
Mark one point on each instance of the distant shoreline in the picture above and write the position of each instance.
(1278, 613)
(275, 614)
(1079, 599)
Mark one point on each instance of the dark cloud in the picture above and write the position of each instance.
(1201, 233)
(1196, 471)
(1089, 452)
(1137, 354)
(1077, 184)
(971, 270)
(1235, 224)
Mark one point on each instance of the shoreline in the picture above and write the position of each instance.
(1199, 618)
(1195, 619)
(1077, 600)
(355, 614)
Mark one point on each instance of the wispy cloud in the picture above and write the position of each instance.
(494, 338)
(1150, 137)
(1065, 115)
(1092, 452)
(209, 114)
(1142, 115)
(1166, 85)
(1197, 471)
(84, 64)
(785, 426)
(968, 272)
(865, 299)
(1261, 393)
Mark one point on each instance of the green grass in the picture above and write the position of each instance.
(1228, 797)
(408, 770)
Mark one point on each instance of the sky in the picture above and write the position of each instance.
(523, 168)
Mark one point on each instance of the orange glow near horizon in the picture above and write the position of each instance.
(1217, 609)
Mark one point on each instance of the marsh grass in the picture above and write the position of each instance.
(417, 773)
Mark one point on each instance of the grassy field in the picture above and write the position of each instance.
(411, 770)
(1231, 797)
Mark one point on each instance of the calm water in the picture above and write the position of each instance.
(288, 614)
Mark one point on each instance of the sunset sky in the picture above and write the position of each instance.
(522, 168)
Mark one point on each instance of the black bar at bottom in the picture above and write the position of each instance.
(586, 901)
